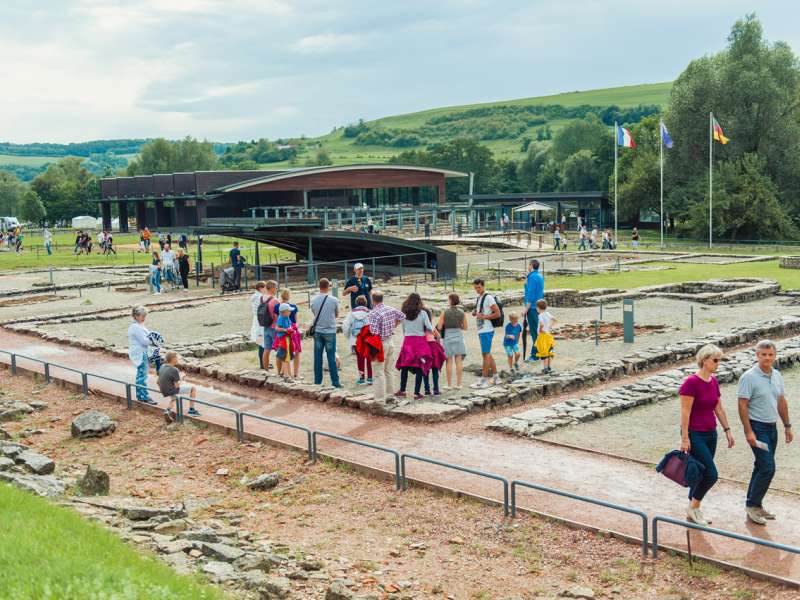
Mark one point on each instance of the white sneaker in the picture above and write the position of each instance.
(496, 380)
(481, 383)
(695, 515)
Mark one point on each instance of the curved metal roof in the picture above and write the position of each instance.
(291, 173)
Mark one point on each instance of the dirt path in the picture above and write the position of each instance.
(464, 443)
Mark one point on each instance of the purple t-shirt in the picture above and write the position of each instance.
(706, 395)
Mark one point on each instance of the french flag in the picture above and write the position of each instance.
(624, 138)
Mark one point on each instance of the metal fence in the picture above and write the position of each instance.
(400, 459)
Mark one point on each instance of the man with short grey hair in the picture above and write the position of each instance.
(761, 403)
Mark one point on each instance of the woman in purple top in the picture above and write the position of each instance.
(700, 409)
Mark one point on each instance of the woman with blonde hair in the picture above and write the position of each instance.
(700, 409)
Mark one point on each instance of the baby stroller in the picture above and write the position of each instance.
(227, 280)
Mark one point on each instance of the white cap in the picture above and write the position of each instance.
(357, 266)
(284, 306)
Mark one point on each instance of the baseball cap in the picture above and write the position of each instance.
(284, 306)
(357, 266)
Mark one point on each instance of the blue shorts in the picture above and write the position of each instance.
(281, 353)
(512, 349)
(486, 341)
(269, 338)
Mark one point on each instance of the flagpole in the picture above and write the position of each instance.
(616, 133)
(710, 179)
(661, 157)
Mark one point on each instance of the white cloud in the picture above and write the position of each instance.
(327, 42)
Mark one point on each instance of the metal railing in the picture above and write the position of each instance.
(723, 532)
(398, 476)
(400, 459)
(503, 480)
(543, 488)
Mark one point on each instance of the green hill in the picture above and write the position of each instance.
(509, 120)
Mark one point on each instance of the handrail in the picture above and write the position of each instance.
(284, 424)
(723, 532)
(589, 499)
(447, 465)
(398, 476)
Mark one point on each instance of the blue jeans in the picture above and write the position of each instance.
(326, 342)
(703, 448)
(141, 379)
(155, 279)
(764, 465)
(49, 248)
(533, 328)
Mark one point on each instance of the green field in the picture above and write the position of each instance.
(48, 553)
(27, 161)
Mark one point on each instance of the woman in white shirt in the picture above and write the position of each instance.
(256, 330)
(138, 345)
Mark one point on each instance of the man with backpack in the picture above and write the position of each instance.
(488, 314)
(267, 319)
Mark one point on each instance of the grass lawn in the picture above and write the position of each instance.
(50, 553)
(675, 273)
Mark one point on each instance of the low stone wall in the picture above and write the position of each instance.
(656, 388)
(789, 262)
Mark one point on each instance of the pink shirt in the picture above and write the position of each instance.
(706, 396)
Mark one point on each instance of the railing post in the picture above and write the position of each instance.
(654, 529)
(47, 372)
(239, 426)
(128, 396)
(179, 408)
(513, 500)
(13, 364)
(85, 383)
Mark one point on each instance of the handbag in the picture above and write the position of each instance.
(675, 468)
(311, 330)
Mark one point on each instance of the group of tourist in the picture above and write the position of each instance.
(168, 266)
(12, 240)
(594, 240)
(761, 403)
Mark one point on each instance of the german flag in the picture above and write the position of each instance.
(717, 132)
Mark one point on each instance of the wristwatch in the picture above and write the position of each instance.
(787, 425)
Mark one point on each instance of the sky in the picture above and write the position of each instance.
(225, 70)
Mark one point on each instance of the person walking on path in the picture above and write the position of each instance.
(359, 285)
(583, 236)
(169, 384)
(155, 273)
(415, 354)
(326, 309)
(266, 318)
(146, 237)
(635, 239)
(235, 257)
(354, 322)
(183, 269)
(762, 401)
(382, 322)
(486, 309)
(138, 346)
(700, 408)
(168, 261)
(593, 238)
(256, 330)
(534, 291)
(451, 325)
(48, 241)
(557, 239)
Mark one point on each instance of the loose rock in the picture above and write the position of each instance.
(577, 591)
(266, 481)
(94, 483)
(92, 423)
(35, 462)
(338, 591)
(276, 588)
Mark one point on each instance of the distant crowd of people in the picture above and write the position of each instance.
(12, 239)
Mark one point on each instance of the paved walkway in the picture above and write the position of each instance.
(466, 443)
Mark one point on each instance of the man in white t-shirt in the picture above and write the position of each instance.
(486, 309)
(168, 264)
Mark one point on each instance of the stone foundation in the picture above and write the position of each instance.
(789, 262)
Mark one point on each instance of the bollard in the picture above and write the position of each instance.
(80, 293)
(47, 372)
(581, 266)
(51, 275)
(128, 396)
(627, 320)
(466, 274)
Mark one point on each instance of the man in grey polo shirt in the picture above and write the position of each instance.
(325, 308)
(761, 403)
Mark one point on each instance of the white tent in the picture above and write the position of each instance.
(84, 222)
(531, 206)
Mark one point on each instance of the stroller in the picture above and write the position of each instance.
(227, 280)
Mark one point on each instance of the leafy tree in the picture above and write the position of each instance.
(11, 192)
(746, 205)
(530, 166)
(321, 158)
(163, 156)
(583, 134)
(580, 172)
(32, 208)
(639, 175)
(67, 189)
(549, 177)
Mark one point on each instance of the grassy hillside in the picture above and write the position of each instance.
(344, 150)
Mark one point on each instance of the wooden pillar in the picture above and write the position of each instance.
(141, 215)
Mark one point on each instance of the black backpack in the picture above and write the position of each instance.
(264, 315)
(498, 322)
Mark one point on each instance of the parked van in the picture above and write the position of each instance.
(7, 223)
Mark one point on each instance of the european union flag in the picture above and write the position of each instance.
(665, 136)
